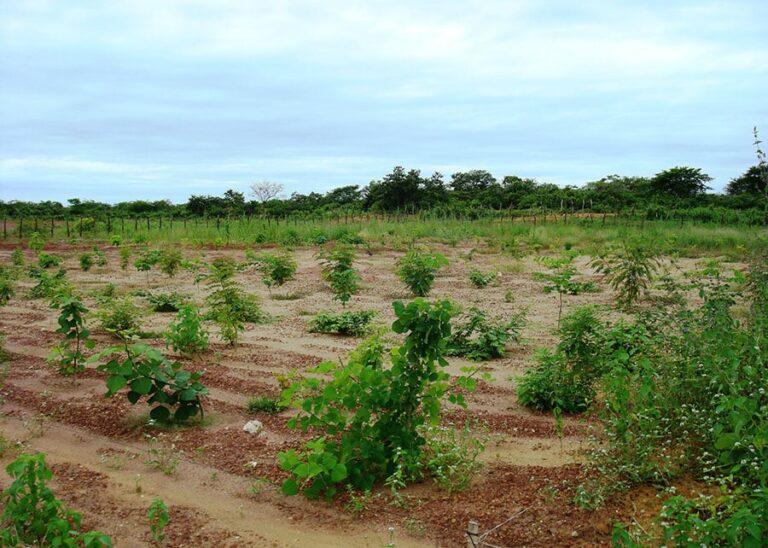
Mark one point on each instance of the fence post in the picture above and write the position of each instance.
(66, 222)
(473, 534)
(5, 228)
(51, 227)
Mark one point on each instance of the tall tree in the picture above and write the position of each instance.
(680, 182)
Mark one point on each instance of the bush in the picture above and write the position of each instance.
(99, 258)
(275, 269)
(17, 257)
(264, 404)
(175, 394)
(450, 456)
(417, 270)
(346, 323)
(338, 271)
(68, 355)
(629, 272)
(120, 317)
(368, 417)
(167, 302)
(49, 285)
(187, 333)
(86, 262)
(46, 260)
(169, 260)
(32, 515)
(480, 279)
(565, 379)
(125, 257)
(478, 338)
(229, 306)
(697, 407)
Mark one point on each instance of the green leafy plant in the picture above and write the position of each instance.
(7, 286)
(46, 260)
(49, 285)
(481, 279)
(479, 338)
(629, 271)
(35, 242)
(68, 355)
(369, 416)
(99, 257)
(17, 257)
(338, 271)
(86, 262)
(275, 268)
(264, 404)
(167, 302)
(561, 280)
(147, 259)
(158, 517)
(169, 260)
(125, 257)
(565, 379)
(121, 317)
(187, 333)
(417, 270)
(696, 407)
(229, 306)
(355, 324)
(173, 393)
(32, 515)
(450, 456)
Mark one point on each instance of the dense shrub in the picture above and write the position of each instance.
(121, 317)
(46, 260)
(338, 271)
(417, 270)
(344, 323)
(275, 268)
(167, 302)
(698, 408)
(173, 393)
(366, 417)
(33, 516)
(187, 333)
(479, 338)
(481, 279)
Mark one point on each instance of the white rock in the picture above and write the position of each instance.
(253, 427)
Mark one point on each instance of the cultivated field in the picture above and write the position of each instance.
(222, 484)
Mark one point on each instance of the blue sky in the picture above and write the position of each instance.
(153, 99)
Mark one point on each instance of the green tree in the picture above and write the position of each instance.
(680, 182)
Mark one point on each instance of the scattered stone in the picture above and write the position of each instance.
(253, 427)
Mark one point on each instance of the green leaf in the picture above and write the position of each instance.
(290, 487)
(142, 385)
(115, 383)
(160, 413)
(339, 473)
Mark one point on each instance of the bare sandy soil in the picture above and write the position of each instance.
(98, 447)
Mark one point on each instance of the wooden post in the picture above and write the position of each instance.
(5, 228)
(66, 222)
(81, 227)
(36, 227)
(473, 534)
(51, 227)
(21, 227)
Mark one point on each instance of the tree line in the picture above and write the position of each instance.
(409, 191)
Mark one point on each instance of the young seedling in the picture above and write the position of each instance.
(68, 355)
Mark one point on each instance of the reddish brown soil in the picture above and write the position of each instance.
(97, 446)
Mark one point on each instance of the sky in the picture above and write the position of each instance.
(161, 99)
